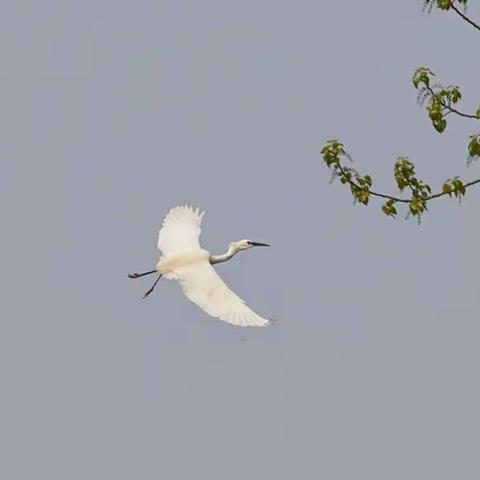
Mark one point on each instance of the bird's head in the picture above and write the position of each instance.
(246, 244)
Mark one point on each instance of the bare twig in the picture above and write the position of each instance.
(461, 14)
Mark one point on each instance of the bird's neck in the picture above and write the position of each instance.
(232, 250)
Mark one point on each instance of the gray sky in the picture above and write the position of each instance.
(113, 112)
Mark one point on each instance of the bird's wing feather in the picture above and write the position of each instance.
(180, 230)
(203, 286)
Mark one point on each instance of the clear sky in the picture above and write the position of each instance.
(111, 113)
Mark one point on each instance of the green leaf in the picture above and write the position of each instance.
(418, 205)
(458, 187)
(474, 146)
(447, 188)
(422, 75)
(444, 4)
(404, 172)
(389, 208)
(439, 124)
(455, 95)
(332, 152)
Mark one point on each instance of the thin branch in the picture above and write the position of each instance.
(466, 185)
(471, 22)
(398, 199)
(447, 106)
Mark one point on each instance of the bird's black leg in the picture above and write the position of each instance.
(153, 286)
(138, 275)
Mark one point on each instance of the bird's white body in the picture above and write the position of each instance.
(170, 265)
(184, 260)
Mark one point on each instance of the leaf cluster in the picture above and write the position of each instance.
(454, 187)
(420, 193)
(443, 4)
(439, 102)
(404, 174)
(333, 153)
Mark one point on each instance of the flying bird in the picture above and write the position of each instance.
(185, 260)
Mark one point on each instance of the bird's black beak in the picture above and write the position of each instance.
(258, 244)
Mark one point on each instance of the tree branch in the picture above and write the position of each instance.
(447, 106)
(462, 15)
(398, 199)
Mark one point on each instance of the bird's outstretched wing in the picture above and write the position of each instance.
(180, 230)
(203, 286)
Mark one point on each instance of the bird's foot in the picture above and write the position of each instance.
(133, 275)
(147, 294)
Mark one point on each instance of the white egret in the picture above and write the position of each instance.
(185, 260)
